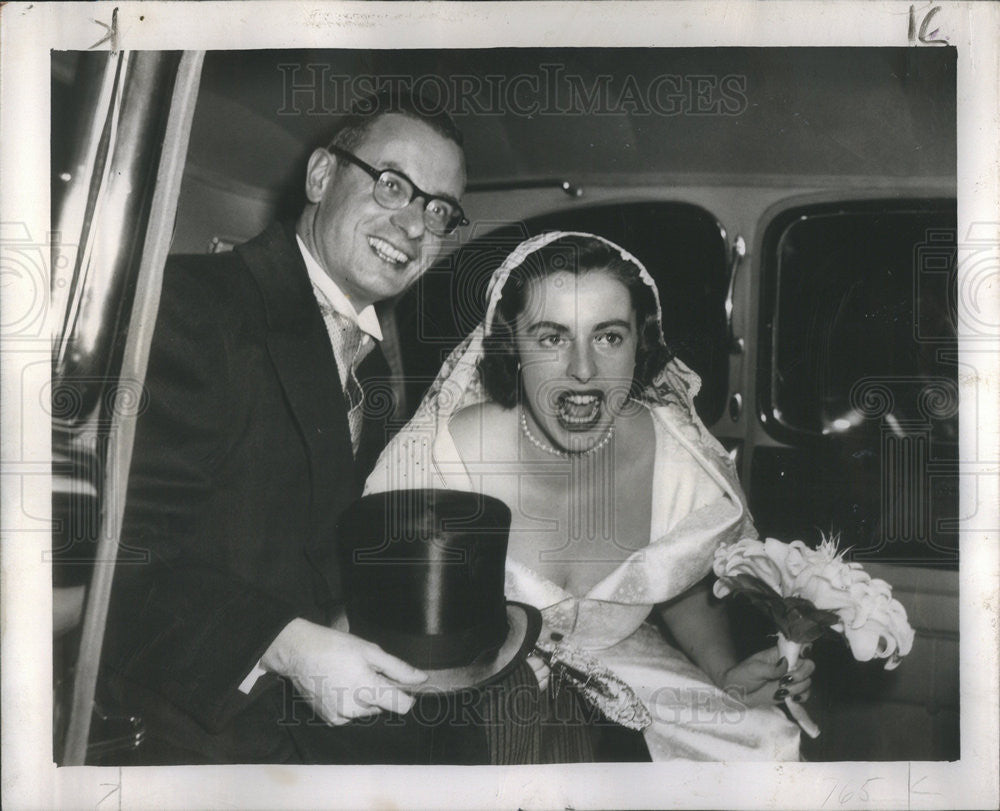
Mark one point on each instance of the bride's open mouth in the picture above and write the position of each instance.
(579, 411)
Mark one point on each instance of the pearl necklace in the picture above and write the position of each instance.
(544, 446)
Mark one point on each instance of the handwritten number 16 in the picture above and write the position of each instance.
(913, 35)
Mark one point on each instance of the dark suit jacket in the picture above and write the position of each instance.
(241, 466)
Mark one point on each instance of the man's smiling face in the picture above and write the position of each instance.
(371, 252)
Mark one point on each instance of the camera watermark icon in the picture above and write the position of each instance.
(917, 478)
(978, 279)
(24, 282)
(461, 278)
(935, 316)
(84, 411)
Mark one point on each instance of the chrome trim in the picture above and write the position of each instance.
(735, 408)
(737, 253)
(105, 214)
(148, 171)
(566, 186)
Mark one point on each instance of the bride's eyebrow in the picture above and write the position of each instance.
(614, 322)
(552, 325)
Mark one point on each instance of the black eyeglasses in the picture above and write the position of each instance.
(393, 189)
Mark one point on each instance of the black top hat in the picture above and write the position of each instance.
(424, 579)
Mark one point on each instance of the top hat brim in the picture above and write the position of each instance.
(524, 623)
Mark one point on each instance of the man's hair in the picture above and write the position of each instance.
(498, 368)
(368, 109)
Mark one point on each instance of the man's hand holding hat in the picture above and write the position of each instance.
(342, 676)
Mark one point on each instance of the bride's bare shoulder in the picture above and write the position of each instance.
(479, 430)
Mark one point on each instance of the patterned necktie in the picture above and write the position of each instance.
(350, 346)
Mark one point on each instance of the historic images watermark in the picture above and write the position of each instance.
(503, 703)
(315, 89)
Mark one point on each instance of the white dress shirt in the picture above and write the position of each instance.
(366, 319)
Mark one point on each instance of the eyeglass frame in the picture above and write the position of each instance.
(376, 176)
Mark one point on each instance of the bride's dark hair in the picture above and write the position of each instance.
(577, 255)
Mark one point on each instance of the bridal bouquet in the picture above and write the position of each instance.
(806, 591)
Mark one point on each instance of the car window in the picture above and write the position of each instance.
(862, 319)
(682, 246)
(857, 376)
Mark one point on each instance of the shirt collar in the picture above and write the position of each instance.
(367, 319)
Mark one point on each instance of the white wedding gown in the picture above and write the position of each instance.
(696, 507)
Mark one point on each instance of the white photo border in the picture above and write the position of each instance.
(29, 31)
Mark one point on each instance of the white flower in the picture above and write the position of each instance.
(746, 556)
(875, 625)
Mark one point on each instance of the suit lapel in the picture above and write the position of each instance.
(304, 362)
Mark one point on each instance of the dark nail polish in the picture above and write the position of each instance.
(780, 694)
(785, 680)
(797, 699)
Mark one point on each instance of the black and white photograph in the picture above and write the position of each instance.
(606, 409)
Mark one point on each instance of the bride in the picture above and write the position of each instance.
(566, 404)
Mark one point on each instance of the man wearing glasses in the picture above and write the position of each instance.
(254, 441)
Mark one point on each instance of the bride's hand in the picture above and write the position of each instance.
(541, 670)
(764, 679)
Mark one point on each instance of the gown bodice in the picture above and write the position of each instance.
(694, 509)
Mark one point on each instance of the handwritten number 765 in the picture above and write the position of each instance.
(846, 794)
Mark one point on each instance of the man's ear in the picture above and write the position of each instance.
(319, 170)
